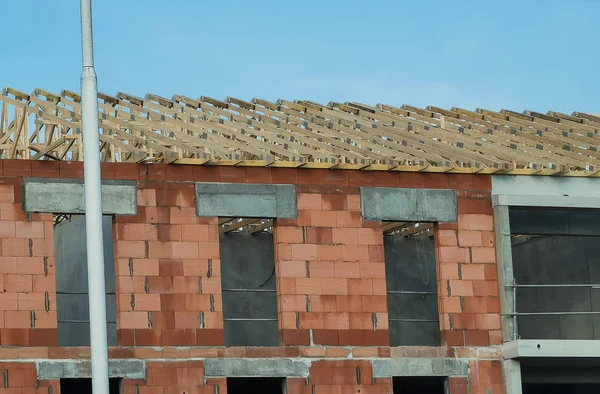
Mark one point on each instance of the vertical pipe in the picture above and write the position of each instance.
(93, 207)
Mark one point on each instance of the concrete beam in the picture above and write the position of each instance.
(393, 204)
(67, 196)
(246, 200)
(546, 186)
(387, 368)
(524, 200)
(255, 367)
(117, 368)
(551, 348)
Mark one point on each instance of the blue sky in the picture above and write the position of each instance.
(530, 54)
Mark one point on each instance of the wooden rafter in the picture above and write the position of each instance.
(247, 225)
(182, 130)
(408, 229)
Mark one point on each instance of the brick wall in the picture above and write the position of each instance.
(168, 271)
(330, 272)
(329, 266)
(27, 273)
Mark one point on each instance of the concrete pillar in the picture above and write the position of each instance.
(505, 272)
(512, 376)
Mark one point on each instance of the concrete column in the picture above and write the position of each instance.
(512, 377)
(505, 272)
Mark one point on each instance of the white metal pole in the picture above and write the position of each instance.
(93, 207)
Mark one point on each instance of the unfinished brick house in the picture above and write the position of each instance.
(291, 247)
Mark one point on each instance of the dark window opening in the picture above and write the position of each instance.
(72, 282)
(556, 265)
(411, 284)
(255, 385)
(84, 386)
(560, 376)
(419, 384)
(248, 282)
(575, 388)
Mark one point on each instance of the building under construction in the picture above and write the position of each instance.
(300, 248)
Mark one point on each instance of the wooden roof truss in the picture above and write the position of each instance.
(47, 126)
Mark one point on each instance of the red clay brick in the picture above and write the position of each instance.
(349, 219)
(353, 202)
(7, 229)
(347, 270)
(330, 252)
(449, 271)
(473, 271)
(304, 252)
(345, 236)
(322, 269)
(323, 218)
(361, 286)
(464, 321)
(477, 338)
(449, 254)
(291, 269)
(461, 287)
(482, 182)
(475, 222)
(469, 238)
(483, 255)
(334, 202)
(475, 305)
(132, 320)
(334, 286)
(453, 338)
(319, 235)
(309, 201)
(18, 283)
(485, 288)
(289, 235)
(308, 286)
(17, 319)
(451, 305)
(488, 321)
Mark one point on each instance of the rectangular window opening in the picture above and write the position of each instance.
(556, 267)
(84, 386)
(419, 384)
(411, 282)
(255, 385)
(248, 282)
(72, 282)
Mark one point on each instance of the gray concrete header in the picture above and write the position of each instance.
(257, 367)
(246, 200)
(551, 348)
(117, 368)
(545, 186)
(430, 205)
(387, 368)
(525, 200)
(67, 196)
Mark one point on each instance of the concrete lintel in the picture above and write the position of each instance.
(546, 186)
(387, 368)
(246, 200)
(118, 368)
(393, 204)
(255, 367)
(549, 348)
(524, 200)
(67, 196)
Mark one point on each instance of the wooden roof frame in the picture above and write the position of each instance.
(206, 131)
